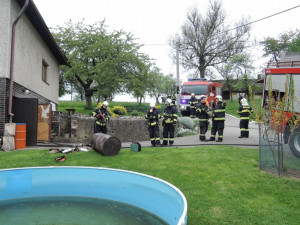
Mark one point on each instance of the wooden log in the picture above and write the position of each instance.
(106, 145)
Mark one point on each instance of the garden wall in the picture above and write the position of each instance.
(80, 128)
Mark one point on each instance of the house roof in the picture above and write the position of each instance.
(39, 24)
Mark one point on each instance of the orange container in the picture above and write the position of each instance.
(20, 136)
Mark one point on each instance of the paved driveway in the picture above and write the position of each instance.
(230, 136)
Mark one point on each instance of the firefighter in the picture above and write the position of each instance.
(218, 119)
(244, 111)
(102, 117)
(193, 103)
(153, 117)
(173, 101)
(169, 120)
(240, 98)
(202, 113)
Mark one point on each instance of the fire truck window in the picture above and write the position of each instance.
(214, 89)
(196, 89)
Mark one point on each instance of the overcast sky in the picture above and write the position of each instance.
(154, 21)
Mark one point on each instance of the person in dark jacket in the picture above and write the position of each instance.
(218, 119)
(244, 111)
(202, 114)
(240, 98)
(153, 117)
(173, 101)
(193, 103)
(102, 117)
(169, 120)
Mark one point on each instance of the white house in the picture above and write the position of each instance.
(36, 61)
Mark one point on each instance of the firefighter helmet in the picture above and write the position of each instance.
(152, 105)
(219, 97)
(105, 103)
(168, 101)
(244, 101)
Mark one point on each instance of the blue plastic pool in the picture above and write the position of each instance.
(149, 193)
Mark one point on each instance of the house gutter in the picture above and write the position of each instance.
(12, 58)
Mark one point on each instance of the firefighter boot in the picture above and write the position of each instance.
(219, 139)
(157, 143)
(152, 143)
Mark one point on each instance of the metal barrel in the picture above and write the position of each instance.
(106, 145)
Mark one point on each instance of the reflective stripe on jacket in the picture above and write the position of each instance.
(170, 115)
(202, 112)
(219, 111)
(153, 117)
(244, 111)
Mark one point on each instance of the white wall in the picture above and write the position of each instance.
(30, 50)
(4, 37)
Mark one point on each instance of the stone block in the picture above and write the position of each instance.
(8, 143)
(10, 129)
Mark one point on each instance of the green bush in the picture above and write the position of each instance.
(120, 110)
(134, 113)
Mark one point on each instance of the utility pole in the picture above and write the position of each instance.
(177, 74)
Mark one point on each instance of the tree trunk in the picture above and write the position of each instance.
(98, 98)
(88, 102)
(157, 100)
(202, 72)
(231, 98)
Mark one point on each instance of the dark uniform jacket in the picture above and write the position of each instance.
(170, 115)
(219, 112)
(245, 111)
(102, 116)
(193, 102)
(202, 112)
(153, 117)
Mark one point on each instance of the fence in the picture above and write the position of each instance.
(275, 155)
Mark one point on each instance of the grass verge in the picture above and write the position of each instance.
(222, 184)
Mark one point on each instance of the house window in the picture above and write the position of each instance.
(45, 71)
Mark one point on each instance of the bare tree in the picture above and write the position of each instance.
(206, 41)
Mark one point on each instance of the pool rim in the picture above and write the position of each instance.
(184, 213)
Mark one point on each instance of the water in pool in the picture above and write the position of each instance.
(73, 211)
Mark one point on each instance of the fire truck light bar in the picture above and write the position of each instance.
(196, 79)
(184, 101)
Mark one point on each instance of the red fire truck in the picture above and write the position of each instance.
(280, 73)
(198, 87)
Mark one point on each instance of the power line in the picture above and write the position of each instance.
(275, 14)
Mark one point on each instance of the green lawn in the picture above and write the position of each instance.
(80, 106)
(232, 107)
(222, 184)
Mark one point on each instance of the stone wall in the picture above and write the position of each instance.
(80, 128)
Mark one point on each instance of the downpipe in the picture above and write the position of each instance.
(12, 59)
